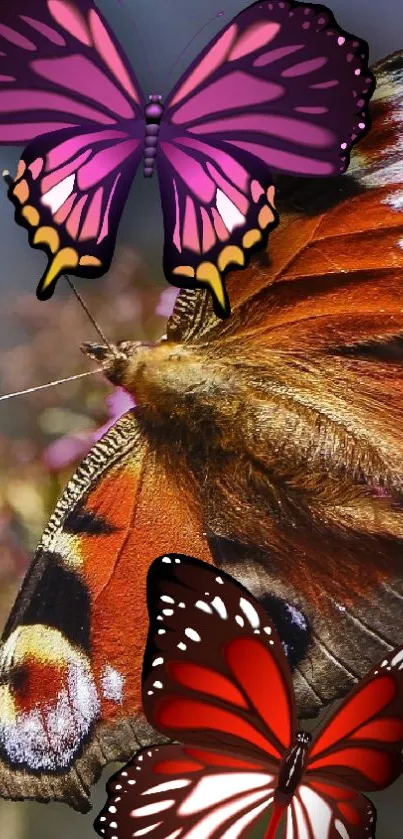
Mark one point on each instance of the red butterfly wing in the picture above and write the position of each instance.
(321, 810)
(173, 790)
(215, 673)
(363, 741)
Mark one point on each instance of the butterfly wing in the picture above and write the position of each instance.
(71, 654)
(314, 335)
(63, 71)
(208, 639)
(70, 193)
(324, 810)
(178, 790)
(358, 749)
(281, 88)
(362, 743)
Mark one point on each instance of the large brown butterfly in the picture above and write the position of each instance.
(270, 444)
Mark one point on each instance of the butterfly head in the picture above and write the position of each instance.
(303, 738)
(156, 374)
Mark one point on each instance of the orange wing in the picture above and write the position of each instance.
(70, 683)
(314, 346)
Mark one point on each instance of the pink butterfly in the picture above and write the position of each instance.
(216, 678)
(281, 89)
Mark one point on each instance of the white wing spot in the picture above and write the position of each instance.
(167, 612)
(219, 606)
(166, 559)
(182, 646)
(112, 684)
(158, 685)
(58, 194)
(250, 612)
(167, 785)
(341, 829)
(192, 634)
(239, 620)
(152, 809)
(219, 580)
(157, 661)
(204, 607)
(167, 599)
(143, 830)
(228, 211)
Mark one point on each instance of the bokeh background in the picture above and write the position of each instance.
(45, 434)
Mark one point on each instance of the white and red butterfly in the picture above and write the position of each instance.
(281, 89)
(216, 678)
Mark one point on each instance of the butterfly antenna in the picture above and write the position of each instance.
(185, 48)
(50, 384)
(89, 315)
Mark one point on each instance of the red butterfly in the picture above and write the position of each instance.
(216, 678)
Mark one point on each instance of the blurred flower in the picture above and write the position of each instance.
(118, 402)
(44, 435)
(166, 302)
(73, 447)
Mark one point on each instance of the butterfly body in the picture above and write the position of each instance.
(292, 768)
(196, 397)
(153, 113)
(290, 774)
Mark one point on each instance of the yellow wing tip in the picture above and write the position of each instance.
(209, 275)
(63, 260)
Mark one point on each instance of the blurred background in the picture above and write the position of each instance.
(44, 435)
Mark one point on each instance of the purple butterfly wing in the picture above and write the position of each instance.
(69, 193)
(281, 89)
(60, 66)
(67, 87)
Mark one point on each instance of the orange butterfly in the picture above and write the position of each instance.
(269, 443)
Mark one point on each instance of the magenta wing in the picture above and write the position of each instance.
(61, 66)
(69, 193)
(67, 88)
(281, 89)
